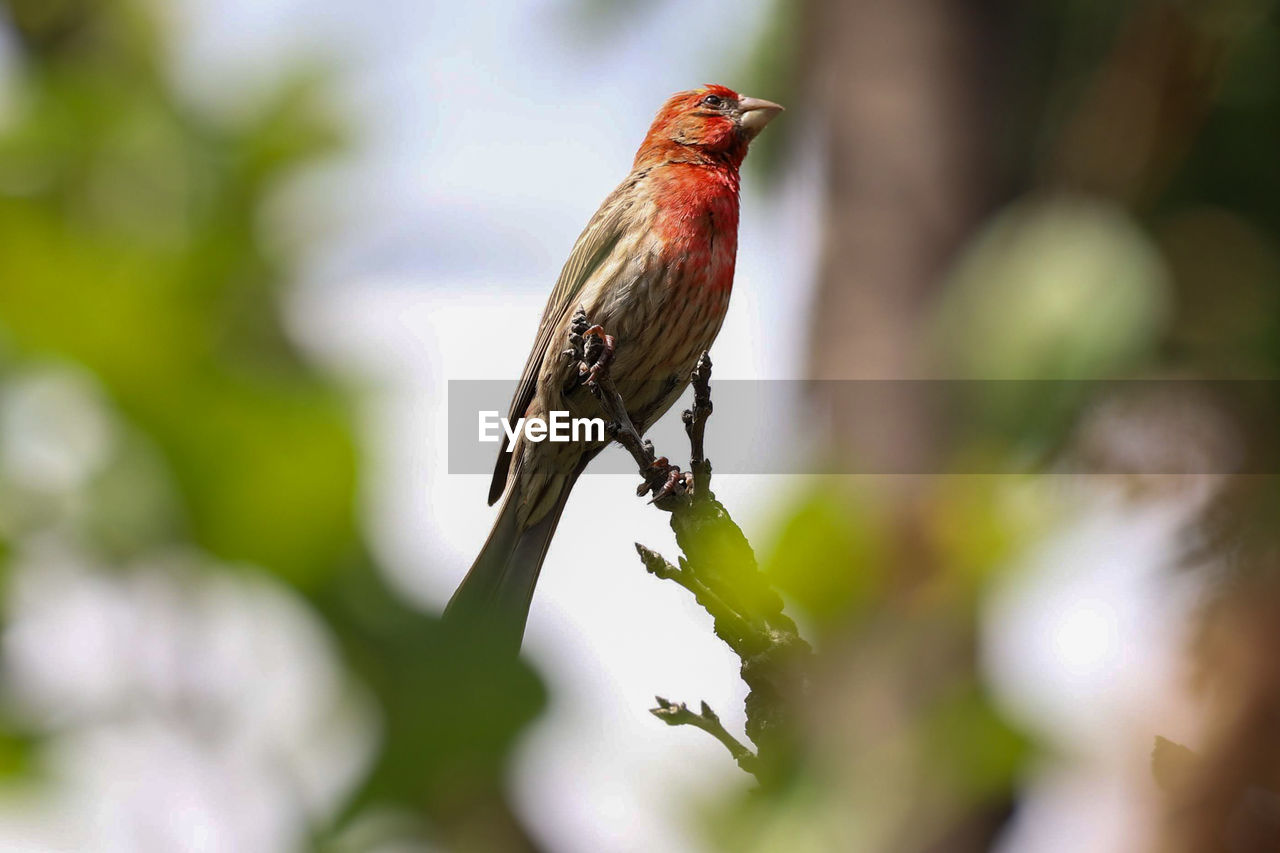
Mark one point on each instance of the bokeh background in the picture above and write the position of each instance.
(244, 245)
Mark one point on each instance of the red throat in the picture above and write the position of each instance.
(697, 219)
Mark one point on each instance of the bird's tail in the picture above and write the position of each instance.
(497, 591)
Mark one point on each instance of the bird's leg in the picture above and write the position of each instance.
(596, 349)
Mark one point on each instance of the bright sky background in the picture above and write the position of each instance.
(487, 134)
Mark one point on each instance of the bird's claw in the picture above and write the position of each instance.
(597, 354)
(665, 481)
(678, 483)
(577, 327)
(575, 352)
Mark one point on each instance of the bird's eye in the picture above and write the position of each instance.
(713, 101)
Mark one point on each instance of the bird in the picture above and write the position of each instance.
(654, 269)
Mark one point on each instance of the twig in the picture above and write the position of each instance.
(733, 627)
(678, 714)
(695, 426)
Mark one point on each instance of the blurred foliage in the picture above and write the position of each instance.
(132, 249)
(451, 708)
(1049, 264)
(829, 527)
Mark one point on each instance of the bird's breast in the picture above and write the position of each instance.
(663, 292)
(696, 224)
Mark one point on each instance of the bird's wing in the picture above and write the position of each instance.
(594, 246)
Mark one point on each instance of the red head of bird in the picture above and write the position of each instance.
(710, 125)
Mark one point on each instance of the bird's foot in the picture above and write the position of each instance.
(598, 352)
(577, 327)
(575, 353)
(664, 479)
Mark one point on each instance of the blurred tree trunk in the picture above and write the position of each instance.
(900, 89)
(899, 86)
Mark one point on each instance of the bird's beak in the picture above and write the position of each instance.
(756, 113)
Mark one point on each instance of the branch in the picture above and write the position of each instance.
(730, 625)
(718, 567)
(679, 715)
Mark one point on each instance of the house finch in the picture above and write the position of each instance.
(654, 268)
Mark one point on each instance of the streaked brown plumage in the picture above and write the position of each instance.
(655, 268)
